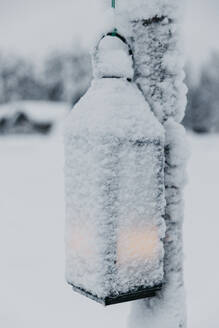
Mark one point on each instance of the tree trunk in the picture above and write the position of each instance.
(159, 75)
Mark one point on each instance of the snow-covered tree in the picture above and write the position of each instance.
(159, 74)
(202, 113)
(18, 80)
(67, 74)
(63, 76)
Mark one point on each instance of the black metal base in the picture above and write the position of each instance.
(121, 298)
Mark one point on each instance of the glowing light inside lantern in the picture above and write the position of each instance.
(137, 244)
(133, 244)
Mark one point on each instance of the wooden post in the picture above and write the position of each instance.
(159, 75)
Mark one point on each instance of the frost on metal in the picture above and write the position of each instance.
(114, 177)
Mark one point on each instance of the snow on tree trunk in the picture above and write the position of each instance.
(167, 310)
(158, 66)
(159, 75)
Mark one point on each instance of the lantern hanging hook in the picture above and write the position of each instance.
(116, 35)
(115, 31)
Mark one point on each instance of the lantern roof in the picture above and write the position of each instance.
(113, 107)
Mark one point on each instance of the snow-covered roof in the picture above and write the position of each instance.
(39, 111)
(113, 107)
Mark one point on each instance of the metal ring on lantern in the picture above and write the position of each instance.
(120, 37)
(116, 35)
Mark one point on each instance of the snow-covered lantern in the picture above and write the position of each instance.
(114, 181)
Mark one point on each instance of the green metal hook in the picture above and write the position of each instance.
(114, 32)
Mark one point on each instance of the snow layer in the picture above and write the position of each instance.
(159, 67)
(159, 75)
(114, 177)
(113, 107)
(39, 111)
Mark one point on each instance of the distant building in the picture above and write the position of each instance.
(31, 117)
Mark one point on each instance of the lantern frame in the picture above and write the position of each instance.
(115, 34)
(138, 292)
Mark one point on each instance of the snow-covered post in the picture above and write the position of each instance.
(159, 74)
(101, 176)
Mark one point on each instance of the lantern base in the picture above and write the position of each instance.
(121, 298)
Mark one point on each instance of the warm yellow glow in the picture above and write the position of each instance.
(137, 244)
(133, 243)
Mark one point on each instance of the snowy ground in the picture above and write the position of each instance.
(33, 293)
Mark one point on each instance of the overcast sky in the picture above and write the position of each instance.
(35, 26)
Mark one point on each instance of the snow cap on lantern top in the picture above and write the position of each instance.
(112, 59)
(113, 107)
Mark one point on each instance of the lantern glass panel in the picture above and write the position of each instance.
(115, 220)
(137, 244)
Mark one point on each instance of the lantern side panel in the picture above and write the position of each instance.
(91, 186)
(141, 225)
